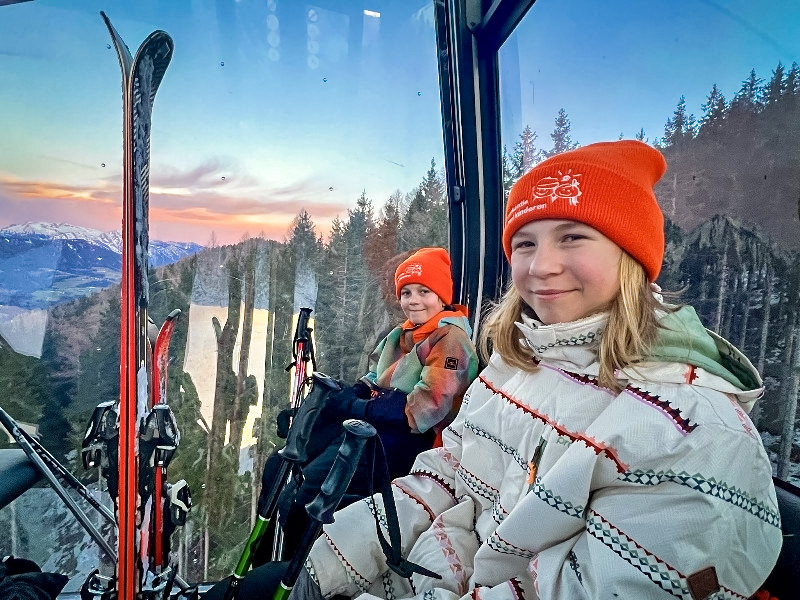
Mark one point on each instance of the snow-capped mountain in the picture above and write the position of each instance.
(161, 253)
(64, 231)
(42, 264)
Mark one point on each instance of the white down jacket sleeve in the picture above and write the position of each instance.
(633, 495)
(348, 559)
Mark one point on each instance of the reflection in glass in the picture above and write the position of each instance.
(304, 123)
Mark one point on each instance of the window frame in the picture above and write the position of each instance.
(469, 34)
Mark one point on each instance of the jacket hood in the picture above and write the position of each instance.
(684, 352)
(684, 339)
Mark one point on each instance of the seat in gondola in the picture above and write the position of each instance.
(17, 474)
(782, 582)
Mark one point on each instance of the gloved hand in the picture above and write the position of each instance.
(387, 407)
(345, 404)
(364, 388)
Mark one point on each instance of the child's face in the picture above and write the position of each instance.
(419, 303)
(564, 270)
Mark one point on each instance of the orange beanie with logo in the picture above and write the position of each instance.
(429, 267)
(608, 185)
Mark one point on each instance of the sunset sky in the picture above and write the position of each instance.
(271, 106)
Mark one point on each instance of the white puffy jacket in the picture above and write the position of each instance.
(549, 486)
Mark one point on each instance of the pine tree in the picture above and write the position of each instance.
(381, 242)
(510, 170)
(714, 112)
(526, 155)
(792, 85)
(776, 88)
(561, 135)
(640, 135)
(344, 289)
(747, 99)
(679, 127)
(425, 222)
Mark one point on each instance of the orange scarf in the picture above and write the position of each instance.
(420, 332)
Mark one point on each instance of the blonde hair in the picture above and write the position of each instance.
(631, 330)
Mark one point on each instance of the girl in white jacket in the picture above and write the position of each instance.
(605, 451)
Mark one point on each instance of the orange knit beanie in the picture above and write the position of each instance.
(429, 267)
(608, 185)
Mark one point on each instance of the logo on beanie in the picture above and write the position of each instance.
(564, 187)
(411, 270)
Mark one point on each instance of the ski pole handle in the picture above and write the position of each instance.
(306, 417)
(344, 467)
(321, 508)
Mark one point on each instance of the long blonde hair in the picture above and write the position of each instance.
(631, 330)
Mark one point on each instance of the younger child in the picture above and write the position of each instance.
(418, 375)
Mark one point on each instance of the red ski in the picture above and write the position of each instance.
(141, 77)
(160, 547)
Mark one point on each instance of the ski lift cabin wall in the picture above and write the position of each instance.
(291, 158)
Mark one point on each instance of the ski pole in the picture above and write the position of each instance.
(302, 353)
(293, 453)
(62, 472)
(321, 508)
(15, 431)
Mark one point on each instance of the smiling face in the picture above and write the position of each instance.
(564, 270)
(419, 303)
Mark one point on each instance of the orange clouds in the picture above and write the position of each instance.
(186, 205)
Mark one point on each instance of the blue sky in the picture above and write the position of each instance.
(621, 65)
(270, 106)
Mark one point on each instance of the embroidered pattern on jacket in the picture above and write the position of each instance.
(477, 485)
(361, 581)
(447, 457)
(375, 510)
(565, 506)
(311, 571)
(573, 564)
(419, 501)
(388, 586)
(453, 431)
(437, 479)
(498, 512)
(598, 447)
(712, 487)
(501, 546)
(584, 380)
(510, 450)
(580, 340)
(450, 555)
(516, 588)
(683, 425)
(659, 572)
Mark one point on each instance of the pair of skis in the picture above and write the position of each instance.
(135, 438)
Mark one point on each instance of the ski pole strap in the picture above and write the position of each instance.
(320, 510)
(392, 548)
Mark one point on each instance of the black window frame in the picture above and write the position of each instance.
(469, 34)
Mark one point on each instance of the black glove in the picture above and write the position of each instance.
(345, 404)
(387, 407)
(364, 389)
